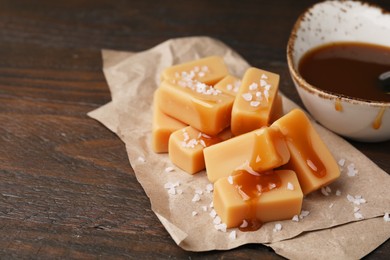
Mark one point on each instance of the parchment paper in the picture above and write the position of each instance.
(132, 79)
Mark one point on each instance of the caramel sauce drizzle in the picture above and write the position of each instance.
(338, 106)
(378, 120)
(251, 187)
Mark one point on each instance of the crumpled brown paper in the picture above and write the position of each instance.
(132, 79)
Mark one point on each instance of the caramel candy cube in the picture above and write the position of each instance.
(186, 148)
(254, 101)
(260, 150)
(208, 70)
(162, 127)
(310, 158)
(277, 109)
(196, 104)
(229, 85)
(245, 198)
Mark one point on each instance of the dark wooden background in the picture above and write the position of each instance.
(66, 187)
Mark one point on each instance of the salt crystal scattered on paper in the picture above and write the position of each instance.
(172, 191)
(209, 187)
(358, 215)
(217, 220)
(233, 235)
(194, 213)
(341, 162)
(213, 213)
(324, 191)
(386, 217)
(141, 159)
(295, 218)
(221, 227)
(198, 191)
(196, 198)
(211, 204)
(277, 227)
(169, 169)
(204, 208)
(304, 213)
(290, 186)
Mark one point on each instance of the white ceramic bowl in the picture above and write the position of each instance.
(341, 21)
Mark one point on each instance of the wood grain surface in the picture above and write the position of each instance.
(67, 189)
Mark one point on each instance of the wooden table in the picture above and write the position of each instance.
(66, 186)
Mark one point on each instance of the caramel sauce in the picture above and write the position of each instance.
(378, 120)
(348, 68)
(338, 106)
(299, 137)
(253, 186)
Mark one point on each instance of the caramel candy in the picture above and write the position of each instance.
(248, 201)
(162, 127)
(254, 101)
(196, 104)
(310, 158)
(186, 148)
(229, 85)
(259, 151)
(208, 70)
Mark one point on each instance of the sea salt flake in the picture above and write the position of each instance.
(271, 186)
(196, 198)
(255, 103)
(169, 169)
(258, 159)
(263, 83)
(247, 96)
(232, 235)
(338, 192)
(209, 187)
(311, 165)
(386, 217)
(342, 162)
(217, 220)
(229, 87)
(221, 227)
(358, 215)
(198, 191)
(277, 227)
(204, 208)
(141, 159)
(331, 205)
(211, 205)
(295, 218)
(253, 86)
(324, 192)
(230, 179)
(213, 213)
(245, 166)
(244, 196)
(263, 76)
(194, 213)
(290, 186)
(304, 213)
(244, 224)
(201, 74)
(172, 191)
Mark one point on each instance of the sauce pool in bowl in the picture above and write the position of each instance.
(351, 69)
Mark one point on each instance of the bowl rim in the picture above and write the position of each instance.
(302, 83)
